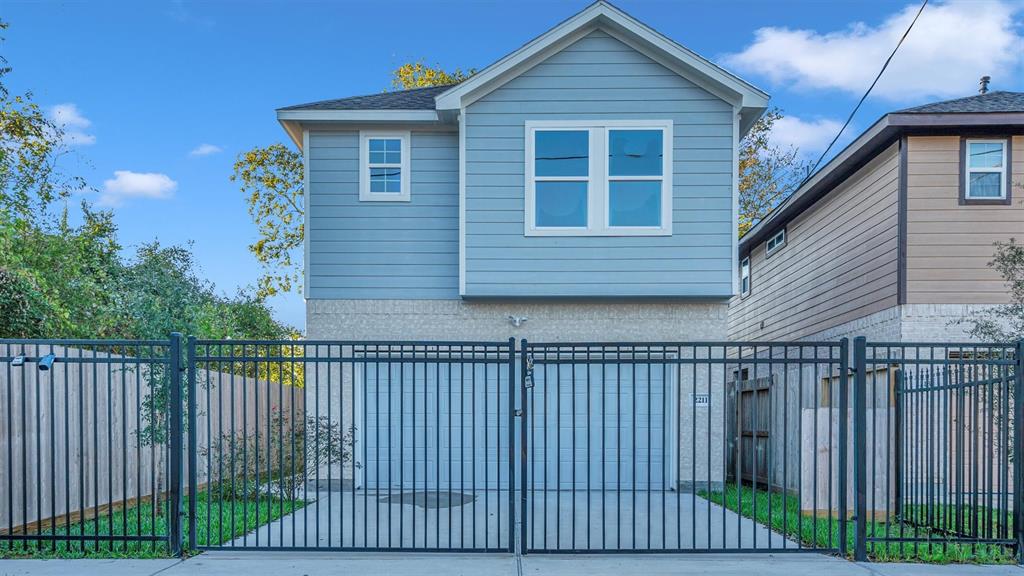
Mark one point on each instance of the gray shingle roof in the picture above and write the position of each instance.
(999, 101)
(414, 99)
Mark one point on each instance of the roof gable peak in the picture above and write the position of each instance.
(748, 99)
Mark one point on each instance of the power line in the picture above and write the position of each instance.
(864, 97)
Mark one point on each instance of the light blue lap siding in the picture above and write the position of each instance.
(599, 77)
(383, 250)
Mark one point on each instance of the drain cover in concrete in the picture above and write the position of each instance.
(430, 499)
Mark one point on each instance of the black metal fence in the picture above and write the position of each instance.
(892, 451)
(941, 450)
(88, 431)
(680, 447)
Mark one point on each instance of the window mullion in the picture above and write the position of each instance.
(597, 203)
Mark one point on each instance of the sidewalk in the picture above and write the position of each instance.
(324, 564)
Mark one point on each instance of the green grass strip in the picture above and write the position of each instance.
(783, 516)
(140, 521)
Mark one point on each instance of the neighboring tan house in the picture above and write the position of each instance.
(582, 188)
(892, 238)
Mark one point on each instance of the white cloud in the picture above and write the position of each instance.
(127, 184)
(807, 136)
(950, 47)
(205, 150)
(74, 124)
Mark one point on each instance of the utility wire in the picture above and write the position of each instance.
(849, 119)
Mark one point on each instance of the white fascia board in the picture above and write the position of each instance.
(294, 131)
(647, 41)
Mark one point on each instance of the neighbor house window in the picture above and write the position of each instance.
(384, 167)
(608, 178)
(777, 241)
(985, 170)
(745, 277)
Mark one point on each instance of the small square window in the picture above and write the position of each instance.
(985, 170)
(384, 167)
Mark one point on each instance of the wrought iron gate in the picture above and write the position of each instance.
(625, 448)
(366, 446)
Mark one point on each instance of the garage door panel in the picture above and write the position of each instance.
(608, 425)
(448, 425)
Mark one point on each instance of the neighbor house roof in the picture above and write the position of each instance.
(412, 99)
(994, 112)
(999, 101)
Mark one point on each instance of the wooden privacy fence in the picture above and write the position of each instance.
(91, 434)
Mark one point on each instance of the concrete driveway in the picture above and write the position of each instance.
(610, 520)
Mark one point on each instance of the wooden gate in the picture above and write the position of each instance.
(752, 419)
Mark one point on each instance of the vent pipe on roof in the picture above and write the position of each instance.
(983, 84)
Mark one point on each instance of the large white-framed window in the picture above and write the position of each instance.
(745, 277)
(599, 178)
(384, 166)
(985, 169)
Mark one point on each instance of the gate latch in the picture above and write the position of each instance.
(528, 381)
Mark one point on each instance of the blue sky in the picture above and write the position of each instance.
(159, 97)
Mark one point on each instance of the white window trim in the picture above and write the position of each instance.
(597, 187)
(768, 251)
(968, 170)
(364, 167)
(746, 262)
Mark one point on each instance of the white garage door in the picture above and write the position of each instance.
(433, 425)
(445, 426)
(601, 426)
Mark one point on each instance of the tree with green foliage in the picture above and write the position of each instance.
(1003, 323)
(419, 75)
(64, 280)
(32, 145)
(271, 178)
(768, 173)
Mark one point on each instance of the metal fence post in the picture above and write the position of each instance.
(523, 375)
(844, 435)
(1018, 451)
(511, 444)
(193, 474)
(860, 553)
(897, 440)
(174, 442)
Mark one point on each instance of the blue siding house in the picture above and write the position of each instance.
(581, 188)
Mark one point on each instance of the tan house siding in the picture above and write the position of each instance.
(949, 245)
(839, 262)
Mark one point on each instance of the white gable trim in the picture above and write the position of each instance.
(621, 25)
(462, 202)
(305, 216)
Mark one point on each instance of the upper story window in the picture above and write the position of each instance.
(775, 243)
(384, 167)
(610, 178)
(745, 277)
(984, 171)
